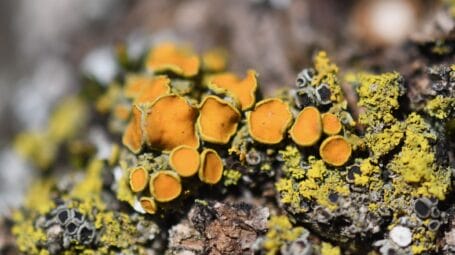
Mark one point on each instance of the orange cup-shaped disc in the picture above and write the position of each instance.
(217, 121)
(133, 135)
(165, 186)
(211, 169)
(148, 204)
(268, 122)
(242, 89)
(185, 160)
(307, 127)
(171, 122)
(331, 125)
(335, 150)
(138, 179)
(169, 57)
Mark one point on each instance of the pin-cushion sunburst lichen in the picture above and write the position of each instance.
(183, 130)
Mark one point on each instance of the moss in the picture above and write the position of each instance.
(440, 107)
(279, 233)
(231, 177)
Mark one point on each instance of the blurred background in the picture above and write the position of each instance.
(46, 45)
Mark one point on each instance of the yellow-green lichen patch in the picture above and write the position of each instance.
(423, 241)
(38, 201)
(379, 95)
(28, 237)
(289, 194)
(319, 189)
(231, 177)
(383, 142)
(329, 249)
(88, 191)
(440, 107)
(292, 159)
(41, 147)
(280, 232)
(369, 175)
(118, 231)
(39, 196)
(35, 147)
(68, 119)
(314, 183)
(123, 192)
(326, 72)
(416, 165)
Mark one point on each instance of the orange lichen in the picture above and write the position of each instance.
(335, 150)
(170, 122)
(148, 204)
(185, 160)
(243, 90)
(268, 122)
(139, 178)
(122, 112)
(307, 127)
(134, 84)
(153, 89)
(133, 135)
(211, 169)
(218, 120)
(331, 125)
(165, 186)
(169, 57)
(215, 60)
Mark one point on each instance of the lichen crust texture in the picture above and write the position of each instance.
(184, 131)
